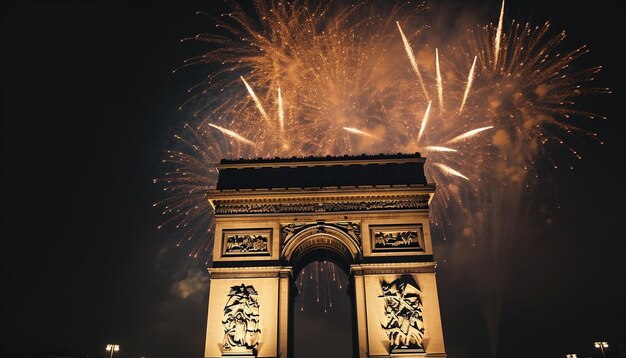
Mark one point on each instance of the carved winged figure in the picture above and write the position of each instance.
(241, 318)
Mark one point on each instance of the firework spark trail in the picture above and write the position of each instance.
(449, 170)
(424, 121)
(436, 148)
(301, 284)
(470, 78)
(232, 134)
(498, 37)
(360, 132)
(439, 81)
(468, 134)
(316, 272)
(256, 100)
(281, 111)
(409, 52)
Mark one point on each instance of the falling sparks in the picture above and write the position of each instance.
(316, 284)
(470, 78)
(436, 148)
(334, 80)
(498, 37)
(468, 134)
(450, 171)
(232, 134)
(256, 100)
(439, 81)
(361, 133)
(281, 111)
(424, 121)
(409, 52)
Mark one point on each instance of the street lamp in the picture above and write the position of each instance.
(113, 348)
(571, 355)
(601, 346)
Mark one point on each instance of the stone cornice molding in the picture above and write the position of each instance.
(318, 192)
(324, 200)
(393, 268)
(250, 272)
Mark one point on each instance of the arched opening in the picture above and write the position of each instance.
(322, 309)
(323, 315)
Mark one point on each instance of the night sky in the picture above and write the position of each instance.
(89, 106)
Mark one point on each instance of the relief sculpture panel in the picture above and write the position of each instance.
(241, 319)
(246, 242)
(397, 238)
(404, 323)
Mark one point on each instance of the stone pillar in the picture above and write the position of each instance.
(284, 310)
(360, 310)
(230, 296)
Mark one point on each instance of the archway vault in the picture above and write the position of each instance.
(339, 242)
(371, 217)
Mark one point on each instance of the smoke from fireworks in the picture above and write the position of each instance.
(307, 78)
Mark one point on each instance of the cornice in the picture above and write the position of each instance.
(249, 272)
(329, 193)
(393, 268)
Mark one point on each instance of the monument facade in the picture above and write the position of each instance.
(369, 214)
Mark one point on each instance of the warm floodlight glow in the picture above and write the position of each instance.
(112, 348)
(601, 345)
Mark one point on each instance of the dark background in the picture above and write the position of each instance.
(90, 104)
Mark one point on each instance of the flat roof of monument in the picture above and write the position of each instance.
(321, 172)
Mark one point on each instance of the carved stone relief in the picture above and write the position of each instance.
(404, 323)
(397, 238)
(241, 319)
(290, 230)
(246, 242)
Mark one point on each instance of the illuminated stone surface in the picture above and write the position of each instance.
(370, 217)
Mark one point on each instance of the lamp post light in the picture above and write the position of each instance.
(112, 348)
(601, 346)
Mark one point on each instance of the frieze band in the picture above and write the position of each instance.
(229, 208)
